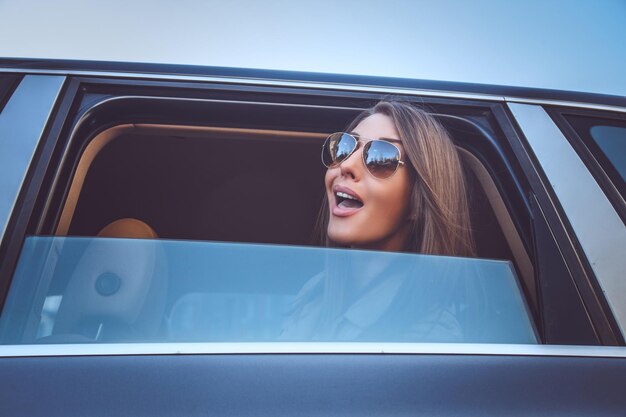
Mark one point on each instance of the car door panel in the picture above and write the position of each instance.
(296, 384)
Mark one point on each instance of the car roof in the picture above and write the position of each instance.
(413, 86)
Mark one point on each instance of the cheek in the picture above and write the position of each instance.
(392, 201)
(388, 214)
(393, 206)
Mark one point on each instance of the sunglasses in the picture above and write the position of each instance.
(381, 157)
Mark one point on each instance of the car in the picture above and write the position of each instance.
(156, 222)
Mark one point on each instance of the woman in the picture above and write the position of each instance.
(395, 184)
(418, 204)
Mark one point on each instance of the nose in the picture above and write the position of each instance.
(352, 166)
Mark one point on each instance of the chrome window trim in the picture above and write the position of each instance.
(264, 82)
(22, 123)
(564, 103)
(86, 115)
(114, 349)
(322, 85)
(598, 227)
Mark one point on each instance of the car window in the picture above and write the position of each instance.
(72, 289)
(612, 142)
(606, 140)
(192, 170)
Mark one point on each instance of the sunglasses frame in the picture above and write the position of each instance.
(356, 140)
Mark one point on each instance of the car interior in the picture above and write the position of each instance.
(236, 185)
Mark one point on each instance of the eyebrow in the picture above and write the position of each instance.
(382, 138)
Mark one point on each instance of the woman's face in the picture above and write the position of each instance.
(381, 222)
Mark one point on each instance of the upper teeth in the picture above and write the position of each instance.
(344, 195)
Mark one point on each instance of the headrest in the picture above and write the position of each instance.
(117, 289)
(128, 228)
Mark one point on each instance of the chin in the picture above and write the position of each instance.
(340, 241)
(341, 238)
(346, 238)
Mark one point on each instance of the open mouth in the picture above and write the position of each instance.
(347, 201)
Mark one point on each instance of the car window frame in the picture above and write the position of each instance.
(8, 84)
(31, 185)
(507, 164)
(586, 281)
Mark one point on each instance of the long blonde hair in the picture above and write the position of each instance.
(440, 222)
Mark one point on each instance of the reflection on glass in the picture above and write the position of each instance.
(612, 142)
(68, 290)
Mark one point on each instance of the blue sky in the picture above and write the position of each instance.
(568, 45)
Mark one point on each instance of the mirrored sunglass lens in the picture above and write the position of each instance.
(337, 148)
(381, 158)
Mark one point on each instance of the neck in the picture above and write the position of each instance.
(394, 243)
(368, 270)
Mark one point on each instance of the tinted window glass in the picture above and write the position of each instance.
(612, 142)
(70, 289)
(606, 140)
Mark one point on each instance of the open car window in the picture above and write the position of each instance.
(231, 192)
(82, 290)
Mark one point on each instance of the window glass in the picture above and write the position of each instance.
(612, 142)
(606, 139)
(79, 290)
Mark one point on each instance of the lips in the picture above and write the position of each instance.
(346, 202)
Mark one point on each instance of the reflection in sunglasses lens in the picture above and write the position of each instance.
(344, 147)
(381, 158)
(337, 147)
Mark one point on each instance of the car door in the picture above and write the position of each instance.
(103, 146)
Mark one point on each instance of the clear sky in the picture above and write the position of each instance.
(568, 45)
